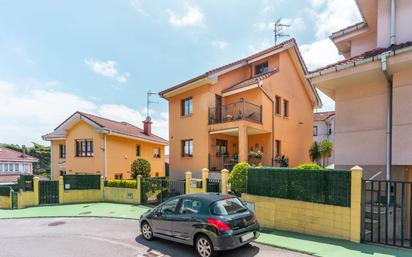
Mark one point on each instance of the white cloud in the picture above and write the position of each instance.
(31, 112)
(137, 5)
(320, 53)
(333, 15)
(22, 53)
(193, 17)
(107, 69)
(220, 44)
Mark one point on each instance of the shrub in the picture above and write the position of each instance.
(130, 183)
(238, 178)
(309, 166)
(140, 167)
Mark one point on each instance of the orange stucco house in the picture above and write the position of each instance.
(372, 89)
(88, 144)
(262, 102)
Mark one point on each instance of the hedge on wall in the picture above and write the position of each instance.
(320, 186)
(129, 183)
(81, 182)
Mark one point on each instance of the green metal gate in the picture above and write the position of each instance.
(14, 199)
(157, 190)
(387, 212)
(48, 192)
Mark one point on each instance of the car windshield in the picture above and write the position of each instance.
(228, 206)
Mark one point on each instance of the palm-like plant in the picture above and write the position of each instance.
(315, 153)
(326, 148)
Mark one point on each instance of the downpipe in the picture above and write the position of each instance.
(389, 116)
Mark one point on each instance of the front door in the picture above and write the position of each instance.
(162, 222)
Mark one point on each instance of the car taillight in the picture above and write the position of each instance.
(220, 225)
(254, 217)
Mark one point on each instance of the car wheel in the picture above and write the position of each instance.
(147, 232)
(204, 247)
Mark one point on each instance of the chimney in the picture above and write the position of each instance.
(147, 126)
(23, 150)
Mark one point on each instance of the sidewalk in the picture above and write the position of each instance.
(111, 210)
(326, 247)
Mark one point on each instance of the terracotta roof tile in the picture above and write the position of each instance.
(321, 116)
(123, 128)
(251, 81)
(245, 59)
(368, 54)
(7, 154)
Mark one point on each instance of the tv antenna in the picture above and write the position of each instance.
(279, 26)
(148, 102)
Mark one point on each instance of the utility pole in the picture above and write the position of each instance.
(278, 30)
(148, 102)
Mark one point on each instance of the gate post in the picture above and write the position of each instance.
(188, 179)
(355, 207)
(101, 188)
(61, 190)
(205, 176)
(224, 180)
(139, 188)
(36, 191)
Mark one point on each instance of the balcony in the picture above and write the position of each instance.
(241, 110)
(224, 161)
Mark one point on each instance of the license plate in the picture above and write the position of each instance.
(247, 237)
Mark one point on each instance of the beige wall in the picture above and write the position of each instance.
(403, 22)
(363, 43)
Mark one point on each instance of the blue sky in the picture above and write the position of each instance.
(57, 57)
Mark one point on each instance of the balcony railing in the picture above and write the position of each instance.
(220, 162)
(241, 110)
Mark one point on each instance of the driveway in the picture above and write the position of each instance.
(102, 237)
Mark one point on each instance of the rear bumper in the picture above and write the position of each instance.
(223, 243)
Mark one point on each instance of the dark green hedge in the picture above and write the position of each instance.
(82, 181)
(5, 189)
(320, 186)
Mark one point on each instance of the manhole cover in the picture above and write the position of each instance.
(57, 223)
(85, 213)
(150, 253)
(112, 212)
(86, 206)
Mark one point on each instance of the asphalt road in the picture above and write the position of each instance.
(88, 237)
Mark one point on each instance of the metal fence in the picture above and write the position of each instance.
(213, 185)
(155, 190)
(387, 212)
(241, 110)
(331, 187)
(81, 182)
(25, 182)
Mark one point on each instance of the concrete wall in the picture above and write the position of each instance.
(121, 195)
(312, 218)
(5, 202)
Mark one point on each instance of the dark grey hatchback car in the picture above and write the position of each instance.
(210, 221)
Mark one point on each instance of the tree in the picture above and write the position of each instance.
(140, 167)
(238, 177)
(326, 148)
(315, 153)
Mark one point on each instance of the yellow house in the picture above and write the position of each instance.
(88, 144)
(261, 103)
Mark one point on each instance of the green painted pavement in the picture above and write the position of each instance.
(112, 210)
(326, 247)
